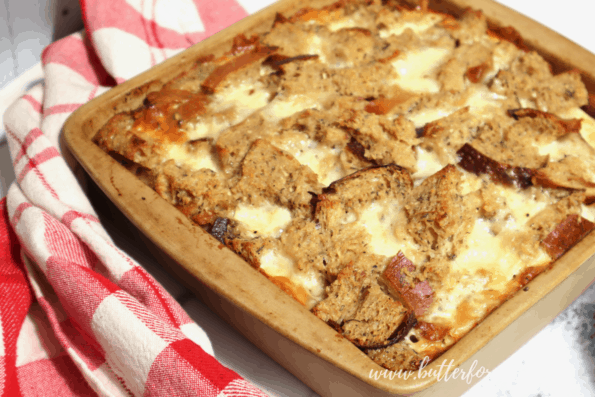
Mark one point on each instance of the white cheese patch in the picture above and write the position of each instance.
(568, 145)
(587, 125)
(470, 183)
(427, 164)
(588, 212)
(381, 220)
(357, 19)
(206, 128)
(415, 69)
(419, 119)
(417, 22)
(245, 99)
(555, 150)
(322, 160)
(281, 107)
(201, 158)
(457, 288)
(521, 205)
(267, 220)
(276, 265)
(488, 251)
(481, 99)
(312, 282)
(315, 47)
(527, 103)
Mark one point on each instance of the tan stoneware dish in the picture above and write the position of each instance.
(271, 319)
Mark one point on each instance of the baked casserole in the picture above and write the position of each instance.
(398, 171)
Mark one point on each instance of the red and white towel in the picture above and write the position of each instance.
(77, 315)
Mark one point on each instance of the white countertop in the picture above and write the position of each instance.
(558, 362)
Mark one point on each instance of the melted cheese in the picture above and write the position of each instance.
(312, 282)
(267, 220)
(417, 22)
(206, 128)
(199, 159)
(588, 212)
(481, 99)
(280, 108)
(571, 144)
(415, 68)
(587, 125)
(487, 264)
(381, 220)
(457, 288)
(568, 145)
(427, 164)
(354, 20)
(470, 183)
(275, 265)
(322, 160)
(426, 116)
(315, 47)
(522, 206)
(486, 251)
(245, 99)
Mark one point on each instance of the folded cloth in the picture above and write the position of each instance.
(77, 315)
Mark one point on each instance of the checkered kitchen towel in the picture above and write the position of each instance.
(77, 316)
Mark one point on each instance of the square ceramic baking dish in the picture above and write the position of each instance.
(268, 317)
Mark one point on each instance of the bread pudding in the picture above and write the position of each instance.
(399, 172)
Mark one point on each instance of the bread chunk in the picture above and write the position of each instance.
(375, 320)
(396, 357)
(231, 145)
(119, 136)
(384, 141)
(439, 218)
(399, 278)
(343, 202)
(447, 135)
(344, 296)
(268, 173)
(201, 195)
(530, 81)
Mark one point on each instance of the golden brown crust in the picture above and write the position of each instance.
(566, 235)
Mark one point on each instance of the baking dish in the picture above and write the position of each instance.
(220, 270)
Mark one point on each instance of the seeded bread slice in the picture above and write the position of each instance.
(270, 174)
(384, 141)
(343, 296)
(439, 217)
(201, 195)
(375, 320)
(341, 204)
